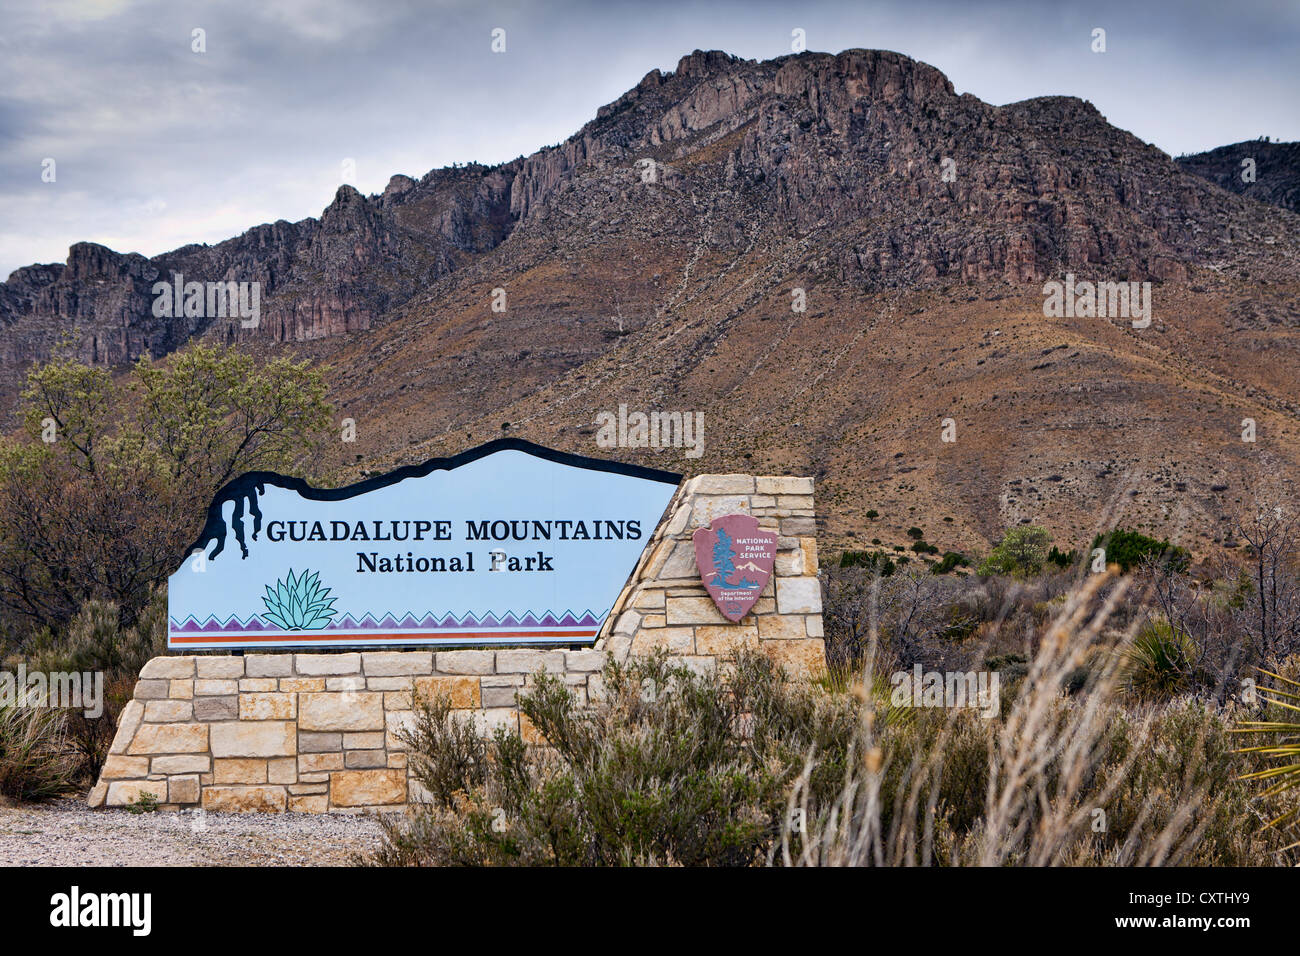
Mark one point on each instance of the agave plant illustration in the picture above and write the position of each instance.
(299, 603)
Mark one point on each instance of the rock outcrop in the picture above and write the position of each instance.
(1257, 169)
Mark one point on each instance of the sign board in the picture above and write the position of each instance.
(509, 543)
(735, 560)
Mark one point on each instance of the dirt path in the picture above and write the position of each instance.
(66, 833)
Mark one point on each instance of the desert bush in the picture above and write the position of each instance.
(1178, 792)
(1160, 662)
(96, 642)
(949, 561)
(1021, 552)
(871, 560)
(1083, 780)
(1131, 549)
(741, 767)
(1062, 559)
(670, 767)
(912, 614)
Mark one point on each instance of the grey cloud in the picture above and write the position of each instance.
(157, 145)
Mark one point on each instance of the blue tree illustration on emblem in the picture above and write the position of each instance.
(299, 604)
(723, 555)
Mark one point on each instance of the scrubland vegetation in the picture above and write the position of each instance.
(1144, 712)
(1139, 707)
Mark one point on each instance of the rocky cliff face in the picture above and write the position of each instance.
(319, 277)
(868, 161)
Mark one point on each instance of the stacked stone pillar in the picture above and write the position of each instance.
(667, 607)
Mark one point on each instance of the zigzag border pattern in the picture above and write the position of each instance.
(392, 622)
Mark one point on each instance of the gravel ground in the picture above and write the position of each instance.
(68, 833)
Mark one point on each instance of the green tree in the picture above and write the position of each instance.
(112, 481)
(1021, 551)
(71, 531)
(215, 413)
(69, 402)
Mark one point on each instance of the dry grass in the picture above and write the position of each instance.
(36, 760)
(1082, 779)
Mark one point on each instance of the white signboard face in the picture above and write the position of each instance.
(510, 543)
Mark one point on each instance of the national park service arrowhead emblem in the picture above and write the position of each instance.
(735, 560)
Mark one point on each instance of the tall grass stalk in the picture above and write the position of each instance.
(1052, 769)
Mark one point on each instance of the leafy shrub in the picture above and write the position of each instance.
(1012, 667)
(671, 767)
(1129, 549)
(875, 561)
(950, 560)
(96, 642)
(916, 534)
(677, 768)
(1062, 559)
(1172, 768)
(1021, 552)
(145, 803)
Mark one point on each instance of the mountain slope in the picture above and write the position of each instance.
(1274, 177)
(652, 260)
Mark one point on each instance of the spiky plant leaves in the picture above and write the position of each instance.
(1159, 662)
(299, 603)
(1283, 751)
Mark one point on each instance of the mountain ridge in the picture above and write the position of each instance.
(367, 255)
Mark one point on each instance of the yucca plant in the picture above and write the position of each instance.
(1159, 662)
(299, 603)
(1283, 750)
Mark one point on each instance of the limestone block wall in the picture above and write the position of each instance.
(304, 732)
(320, 732)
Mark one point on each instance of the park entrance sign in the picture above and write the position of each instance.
(509, 543)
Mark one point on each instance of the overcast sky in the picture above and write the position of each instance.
(156, 145)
